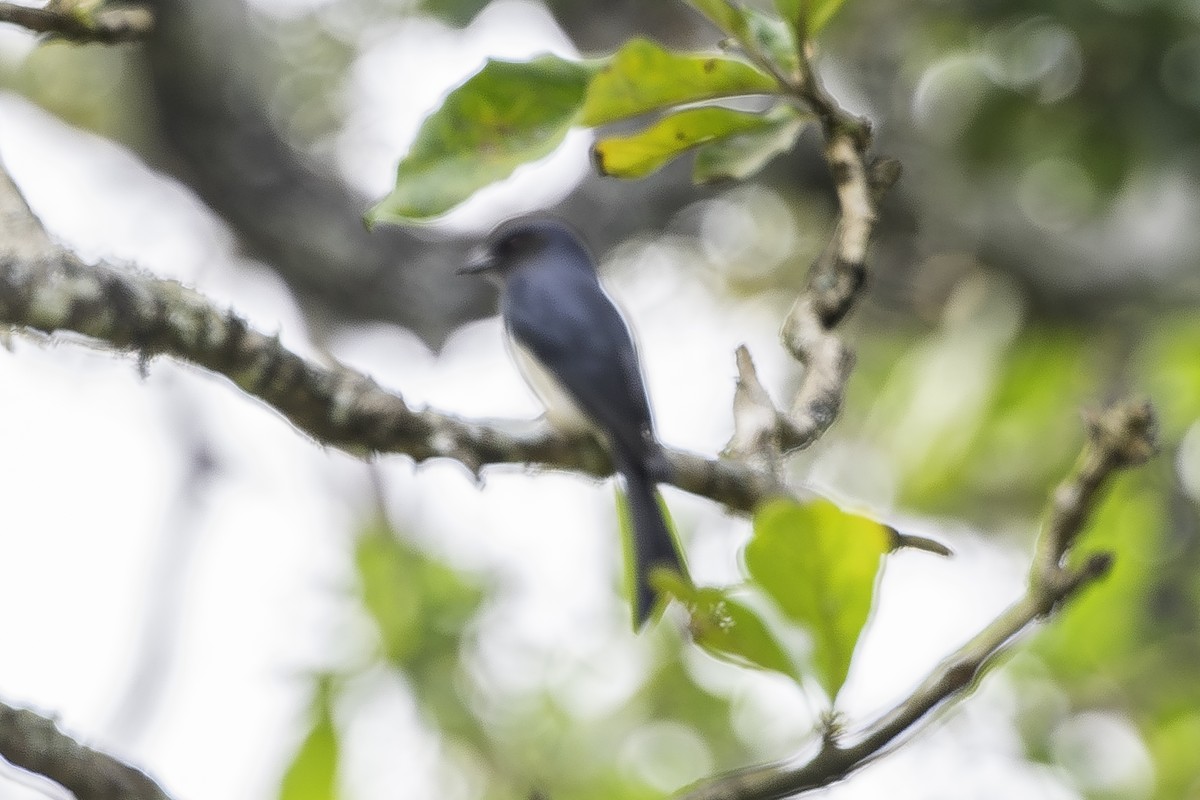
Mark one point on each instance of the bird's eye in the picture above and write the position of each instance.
(511, 244)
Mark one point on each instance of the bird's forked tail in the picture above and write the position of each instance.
(653, 544)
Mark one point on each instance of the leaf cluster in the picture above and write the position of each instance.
(510, 113)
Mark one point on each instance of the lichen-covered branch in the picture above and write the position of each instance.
(335, 405)
(834, 283)
(47, 288)
(103, 25)
(1118, 437)
(33, 743)
(1121, 436)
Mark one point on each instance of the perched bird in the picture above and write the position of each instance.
(576, 352)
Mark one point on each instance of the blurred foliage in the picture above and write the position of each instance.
(517, 743)
(998, 403)
(307, 73)
(97, 88)
(1018, 123)
(993, 454)
(312, 774)
(421, 609)
(1106, 82)
(1166, 365)
(529, 741)
(1072, 83)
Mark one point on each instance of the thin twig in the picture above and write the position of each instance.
(104, 26)
(1122, 437)
(836, 280)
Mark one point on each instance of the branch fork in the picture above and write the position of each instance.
(1119, 437)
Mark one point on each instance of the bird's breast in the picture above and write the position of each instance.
(561, 409)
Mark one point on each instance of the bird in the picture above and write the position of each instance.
(576, 352)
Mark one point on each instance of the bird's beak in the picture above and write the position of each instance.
(479, 259)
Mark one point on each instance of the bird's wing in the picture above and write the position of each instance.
(572, 327)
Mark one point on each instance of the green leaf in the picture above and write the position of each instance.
(773, 38)
(820, 12)
(312, 775)
(1173, 743)
(744, 154)
(819, 564)
(642, 153)
(724, 15)
(729, 629)
(809, 16)
(793, 14)
(642, 77)
(789, 9)
(505, 115)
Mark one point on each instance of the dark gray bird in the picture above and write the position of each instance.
(576, 352)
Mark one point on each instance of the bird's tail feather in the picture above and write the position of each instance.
(653, 544)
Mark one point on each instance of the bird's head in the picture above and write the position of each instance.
(526, 242)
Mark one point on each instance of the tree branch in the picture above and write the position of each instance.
(104, 25)
(34, 743)
(46, 288)
(1119, 437)
(834, 283)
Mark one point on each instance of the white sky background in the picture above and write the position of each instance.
(94, 454)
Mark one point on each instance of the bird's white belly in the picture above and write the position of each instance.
(561, 409)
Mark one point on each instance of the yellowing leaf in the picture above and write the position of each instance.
(819, 564)
(503, 116)
(642, 76)
(642, 153)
